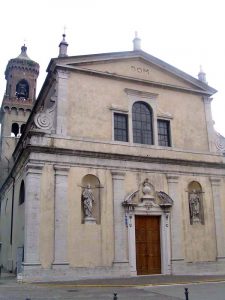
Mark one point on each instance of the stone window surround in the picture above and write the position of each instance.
(169, 130)
(150, 99)
(126, 129)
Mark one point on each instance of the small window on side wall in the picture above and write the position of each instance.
(164, 133)
(22, 193)
(120, 127)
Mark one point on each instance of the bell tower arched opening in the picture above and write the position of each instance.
(22, 89)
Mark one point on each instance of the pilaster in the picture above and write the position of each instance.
(32, 215)
(209, 124)
(62, 103)
(166, 244)
(61, 216)
(176, 219)
(219, 224)
(120, 235)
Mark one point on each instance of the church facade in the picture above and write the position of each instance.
(118, 172)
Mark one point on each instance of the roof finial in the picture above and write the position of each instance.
(63, 45)
(202, 75)
(136, 42)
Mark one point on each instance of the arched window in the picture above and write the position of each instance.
(22, 193)
(142, 123)
(22, 89)
(195, 203)
(14, 129)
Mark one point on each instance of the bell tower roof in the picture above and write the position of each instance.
(22, 62)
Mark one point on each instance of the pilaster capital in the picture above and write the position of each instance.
(61, 170)
(117, 175)
(172, 178)
(215, 181)
(207, 100)
(62, 74)
(33, 168)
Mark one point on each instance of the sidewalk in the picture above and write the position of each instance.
(161, 287)
(143, 280)
(146, 280)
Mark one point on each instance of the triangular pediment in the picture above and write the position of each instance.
(136, 65)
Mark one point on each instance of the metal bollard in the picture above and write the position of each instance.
(115, 296)
(186, 293)
(0, 270)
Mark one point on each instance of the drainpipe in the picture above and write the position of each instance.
(12, 210)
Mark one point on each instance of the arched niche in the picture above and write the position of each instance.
(91, 184)
(195, 201)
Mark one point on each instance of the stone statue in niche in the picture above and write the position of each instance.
(195, 206)
(87, 201)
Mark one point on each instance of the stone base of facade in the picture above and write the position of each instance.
(199, 268)
(69, 274)
(118, 269)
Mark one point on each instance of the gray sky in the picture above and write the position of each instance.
(184, 33)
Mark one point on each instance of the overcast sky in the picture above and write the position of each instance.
(184, 33)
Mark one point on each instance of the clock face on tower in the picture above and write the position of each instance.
(22, 89)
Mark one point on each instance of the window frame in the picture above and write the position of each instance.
(125, 115)
(144, 123)
(168, 134)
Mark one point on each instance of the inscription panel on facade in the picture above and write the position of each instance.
(140, 70)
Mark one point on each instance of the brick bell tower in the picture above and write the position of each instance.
(21, 75)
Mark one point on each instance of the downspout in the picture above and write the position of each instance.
(12, 210)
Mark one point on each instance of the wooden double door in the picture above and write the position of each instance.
(148, 251)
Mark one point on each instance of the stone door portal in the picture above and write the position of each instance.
(148, 251)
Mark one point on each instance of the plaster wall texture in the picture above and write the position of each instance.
(47, 216)
(92, 245)
(138, 68)
(18, 220)
(5, 227)
(9, 251)
(199, 239)
(92, 97)
(135, 150)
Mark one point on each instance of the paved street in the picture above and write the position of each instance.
(146, 287)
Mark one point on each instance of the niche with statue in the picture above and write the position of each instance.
(90, 200)
(195, 201)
